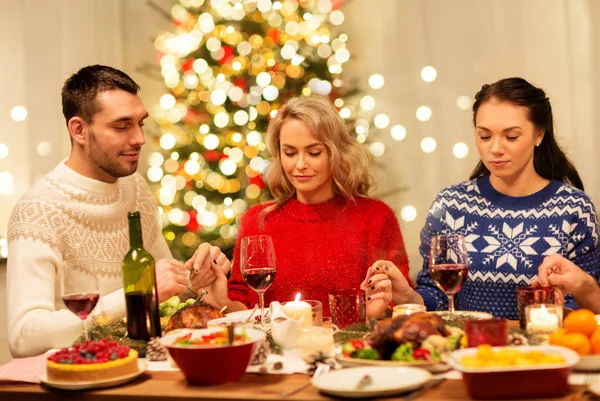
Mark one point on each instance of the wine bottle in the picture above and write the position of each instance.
(139, 280)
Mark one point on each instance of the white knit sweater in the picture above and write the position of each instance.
(68, 221)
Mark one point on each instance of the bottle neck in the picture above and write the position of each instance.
(135, 232)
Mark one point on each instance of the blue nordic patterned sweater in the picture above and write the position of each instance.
(507, 239)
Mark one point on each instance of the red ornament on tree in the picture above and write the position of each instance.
(274, 34)
(193, 224)
(240, 83)
(336, 4)
(227, 55)
(187, 65)
(212, 155)
(258, 180)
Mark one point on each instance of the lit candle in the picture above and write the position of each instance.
(315, 340)
(299, 310)
(542, 320)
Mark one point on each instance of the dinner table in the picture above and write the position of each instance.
(162, 385)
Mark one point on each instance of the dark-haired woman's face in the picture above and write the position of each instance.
(505, 139)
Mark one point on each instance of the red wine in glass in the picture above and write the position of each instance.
(450, 277)
(259, 279)
(449, 264)
(80, 294)
(81, 304)
(257, 264)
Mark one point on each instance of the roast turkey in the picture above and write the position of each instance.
(389, 333)
(193, 316)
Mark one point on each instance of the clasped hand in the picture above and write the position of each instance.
(172, 276)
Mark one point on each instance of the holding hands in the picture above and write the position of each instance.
(385, 283)
(201, 266)
(560, 272)
(171, 278)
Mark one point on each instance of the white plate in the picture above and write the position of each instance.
(385, 381)
(435, 367)
(243, 314)
(95, 384)
(588, 363)
(466, 314)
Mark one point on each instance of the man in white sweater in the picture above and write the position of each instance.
(75, 219)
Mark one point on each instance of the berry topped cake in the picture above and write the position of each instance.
(92, 361)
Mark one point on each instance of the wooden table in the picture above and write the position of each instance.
(159, 386)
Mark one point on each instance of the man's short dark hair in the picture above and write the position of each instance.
(81, 89)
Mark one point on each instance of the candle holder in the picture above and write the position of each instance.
(543, 319)
(407, 309)
(314, 341)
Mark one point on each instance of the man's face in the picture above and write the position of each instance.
(115, 136)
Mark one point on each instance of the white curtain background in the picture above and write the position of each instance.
(552, 43)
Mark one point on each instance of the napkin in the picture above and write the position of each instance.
(23, 370)
(291, 363)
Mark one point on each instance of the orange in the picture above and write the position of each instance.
(595, 340)
(577, 342)
(581, 321)
(557, 337)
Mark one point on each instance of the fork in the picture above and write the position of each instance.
(322, 368)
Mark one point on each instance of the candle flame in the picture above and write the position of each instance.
(543, 312)
(297, 297)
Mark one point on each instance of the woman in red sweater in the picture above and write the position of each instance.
(327, 233)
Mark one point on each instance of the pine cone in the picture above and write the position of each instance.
(517, 339)
(155, 351)
(315, 359)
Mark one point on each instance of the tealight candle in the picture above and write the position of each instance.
(542, 318)
(299, 310)
(315, 340)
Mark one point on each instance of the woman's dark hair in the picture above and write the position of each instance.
(549, 160)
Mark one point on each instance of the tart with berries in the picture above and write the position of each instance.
(92, 361)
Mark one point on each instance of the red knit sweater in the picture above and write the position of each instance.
(320, 248)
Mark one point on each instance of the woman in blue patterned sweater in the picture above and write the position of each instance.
(523, 202)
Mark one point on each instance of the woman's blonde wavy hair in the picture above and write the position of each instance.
(348, 161)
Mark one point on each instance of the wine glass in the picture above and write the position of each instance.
(80, 294)
(257, 262)
(449, 264)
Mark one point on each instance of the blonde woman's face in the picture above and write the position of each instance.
(305, 161)
(506, 139)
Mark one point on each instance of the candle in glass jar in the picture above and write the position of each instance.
(315, 340)
(542, 319)
(298, 310)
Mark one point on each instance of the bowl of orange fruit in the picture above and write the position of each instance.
(581, 333)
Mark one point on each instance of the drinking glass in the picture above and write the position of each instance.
(347, 307)
(257, 262)
(449, 264)
(486, 331)
(80, 294)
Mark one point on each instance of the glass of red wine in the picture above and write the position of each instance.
(449, 264)
(257, 262)
(80, 294)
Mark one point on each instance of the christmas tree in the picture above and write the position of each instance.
(229, 66)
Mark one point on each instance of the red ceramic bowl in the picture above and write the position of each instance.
(212, 364)
(510, 382)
